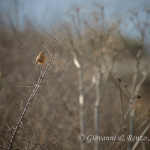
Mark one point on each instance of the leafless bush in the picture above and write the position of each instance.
(101, 93)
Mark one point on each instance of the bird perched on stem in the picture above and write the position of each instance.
(41, 58)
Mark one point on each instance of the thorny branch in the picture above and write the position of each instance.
(35, 90)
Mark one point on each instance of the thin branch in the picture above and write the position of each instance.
(36, 88)
(142, 134)
(22, 50)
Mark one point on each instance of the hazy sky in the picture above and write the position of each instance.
(54, 11)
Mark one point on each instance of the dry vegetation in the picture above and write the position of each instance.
(95, 81)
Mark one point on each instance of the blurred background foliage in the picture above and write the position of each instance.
(98, 38)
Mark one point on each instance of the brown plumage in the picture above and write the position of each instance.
(41, 58)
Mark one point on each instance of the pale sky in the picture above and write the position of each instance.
(43, 12)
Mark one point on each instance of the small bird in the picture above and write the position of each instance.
(41, 58)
